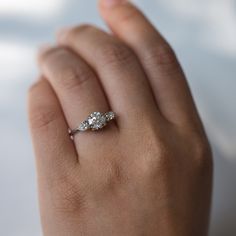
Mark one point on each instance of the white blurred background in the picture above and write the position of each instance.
(202, 32)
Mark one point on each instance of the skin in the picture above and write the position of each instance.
(149, 172)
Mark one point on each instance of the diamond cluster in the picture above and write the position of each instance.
(97, 121)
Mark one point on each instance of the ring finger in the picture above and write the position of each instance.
(77, 88)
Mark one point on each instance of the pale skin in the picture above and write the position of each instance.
(147, 173)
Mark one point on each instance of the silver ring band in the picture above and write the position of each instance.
(95, 121)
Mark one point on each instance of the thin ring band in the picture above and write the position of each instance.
(95, 121)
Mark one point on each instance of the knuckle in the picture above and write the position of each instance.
(54, 58)
(68, 70)
(156, 159)
(43, 117)
(115, 54)
(112, 177)
(71, 77)
(81, 29)
(56, 55)
(160, 160)
(155, 166)
(163, 56)
(72, 33)
(46, 55)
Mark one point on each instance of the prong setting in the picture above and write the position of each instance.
(95, 121)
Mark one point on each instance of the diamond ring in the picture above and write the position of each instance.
(95, 121)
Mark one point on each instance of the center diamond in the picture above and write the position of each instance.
(97, 120)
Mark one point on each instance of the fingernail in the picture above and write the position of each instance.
(112, 3)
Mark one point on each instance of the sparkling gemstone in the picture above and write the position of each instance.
(97, 121)
(84, 126)
(110, 116)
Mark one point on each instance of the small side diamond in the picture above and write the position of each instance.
(84, 126)
(110, 116)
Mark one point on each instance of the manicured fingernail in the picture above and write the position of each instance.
(112, 3)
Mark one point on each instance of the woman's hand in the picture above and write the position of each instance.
(148, 173)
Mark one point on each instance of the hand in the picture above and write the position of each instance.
(149, 172)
